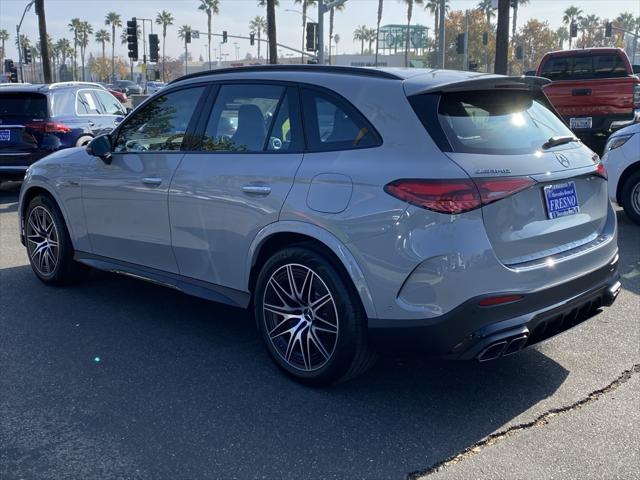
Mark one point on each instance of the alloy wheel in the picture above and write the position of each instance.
(301, 317)
(42, 241)
(635, 198)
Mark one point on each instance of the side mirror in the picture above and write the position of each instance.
(101, 147)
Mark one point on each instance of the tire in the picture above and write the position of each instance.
(49, 246)
(83, 141)
(316, 331)
(630, 197)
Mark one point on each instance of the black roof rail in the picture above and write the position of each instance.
(367, 72)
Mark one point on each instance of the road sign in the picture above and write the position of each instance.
(195, 34)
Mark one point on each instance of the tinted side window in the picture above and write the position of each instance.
(242, 117)
(161, 125)
(111, 106)
(331, 124)
(86, 103)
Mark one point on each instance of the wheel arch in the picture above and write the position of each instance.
(32, 191)
(283, 234)
(630, 170)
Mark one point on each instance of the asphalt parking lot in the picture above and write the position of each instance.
(121, 379)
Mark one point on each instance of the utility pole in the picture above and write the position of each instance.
(322, 9)
(441, 49)
(44, 45)
(26, 9)
(502, 38)
(465, 65)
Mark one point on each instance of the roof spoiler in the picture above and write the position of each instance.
(489, 82)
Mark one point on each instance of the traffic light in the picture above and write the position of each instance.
(519, 52)
(11, 69)
(460, 43)
(224, 36)
(573, 30)
(132, 39)
(154, 48)
(187, 36)
(252, 39)
(312, 37)
(607, 29)
(485, 38)
(26, 52)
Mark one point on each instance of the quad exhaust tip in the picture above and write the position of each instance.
(503, 348)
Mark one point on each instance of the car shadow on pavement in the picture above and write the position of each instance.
(143, 379)
(629, 243)
(9, 192)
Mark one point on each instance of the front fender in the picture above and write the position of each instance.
(329, 240)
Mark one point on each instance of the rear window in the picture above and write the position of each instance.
(497, 122)
(23, 104)
(584, 67)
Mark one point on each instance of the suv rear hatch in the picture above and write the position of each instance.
(539, 198)
(23, 126)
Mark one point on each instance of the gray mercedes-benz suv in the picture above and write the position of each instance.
(351, 208)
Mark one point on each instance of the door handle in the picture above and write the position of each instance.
(257, 189)
(152, 181)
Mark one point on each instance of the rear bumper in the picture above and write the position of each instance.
(604, 123)
(471, 331)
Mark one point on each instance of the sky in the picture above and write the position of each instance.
(235, 16)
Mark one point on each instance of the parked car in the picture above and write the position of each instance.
(36, 120)
(128, 87)
(354, 209)
(622, 160)
(153, 87)
(121, 96)
(595, 89)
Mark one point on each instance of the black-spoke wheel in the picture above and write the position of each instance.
(43, 242)
(311, 318)
(301, 317)
(631, 197)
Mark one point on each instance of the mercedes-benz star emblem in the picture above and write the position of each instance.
(564, 161)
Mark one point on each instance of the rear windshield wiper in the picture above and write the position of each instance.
(559, 140)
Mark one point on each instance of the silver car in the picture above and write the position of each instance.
(354, 210)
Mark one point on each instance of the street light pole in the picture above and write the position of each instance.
(26, 9)
(322, 9)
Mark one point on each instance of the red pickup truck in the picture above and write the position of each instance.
(595, 90)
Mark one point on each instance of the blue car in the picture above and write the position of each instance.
(36, 120)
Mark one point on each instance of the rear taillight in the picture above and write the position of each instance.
(601, 171)
(48, 127)
(456, 196)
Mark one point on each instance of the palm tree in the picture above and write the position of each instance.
(182, 34)
(626, 21)
(336, 39)
(332, 13)
(84, 32)
(589, 25)
(271, 31)
(114, 20)
(372, 34)
(514, 5)
(434, 8)
(571, 14)
(380, 8)
(165, 19)
(258, 25)
(74, 27)
(305, 5)
(410, 4)
(486, 7)
(563, 35)
(211, 8)
(360, 35)
(4, 36)
(102, 36)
